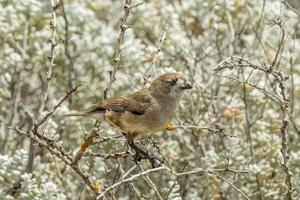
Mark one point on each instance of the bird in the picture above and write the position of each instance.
(147, 110)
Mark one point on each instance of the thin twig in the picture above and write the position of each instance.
(48, 114)
(120, 42)
(149, 72)
(291, 7)
(102, 194)
(280, 43)
(71, 74)
(51, 57)
(232, 185)
(151, 184)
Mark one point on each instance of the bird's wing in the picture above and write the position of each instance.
(137, 103)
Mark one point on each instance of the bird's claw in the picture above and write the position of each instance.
(155, 162)
(140, 155)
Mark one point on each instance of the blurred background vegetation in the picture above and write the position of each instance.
(224, 122)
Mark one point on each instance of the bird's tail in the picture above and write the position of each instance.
(74, 114)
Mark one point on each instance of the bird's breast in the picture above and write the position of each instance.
(160, 117)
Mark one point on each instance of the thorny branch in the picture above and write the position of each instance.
(53, 44)
(120, 42)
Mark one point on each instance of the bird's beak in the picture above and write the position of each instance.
(186, 86)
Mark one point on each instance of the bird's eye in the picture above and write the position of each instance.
(172, 82)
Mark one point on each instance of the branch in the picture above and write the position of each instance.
(144, 173)
(88, 140)
(232, 185)
(281, 41)
(53, 44)
(48, 114)
(148, 73)
(130, 180)
(59, 152)
(151, 184)
(291, 7)
(120, 42)
(71, 74)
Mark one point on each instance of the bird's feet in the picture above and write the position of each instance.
(140, 154)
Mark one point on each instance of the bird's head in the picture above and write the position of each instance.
(170, 85)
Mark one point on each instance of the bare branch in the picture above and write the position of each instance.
(149, 72)
(232, 185)
(48, 114)
(117, 59)
(102, 194)
(51, 57)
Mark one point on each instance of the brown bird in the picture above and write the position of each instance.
(145, 111)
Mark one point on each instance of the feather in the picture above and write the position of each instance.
(137, 103)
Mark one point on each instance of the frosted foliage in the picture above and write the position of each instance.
(174, 191)
(46, 190)
(227, 134)
(11, 167)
